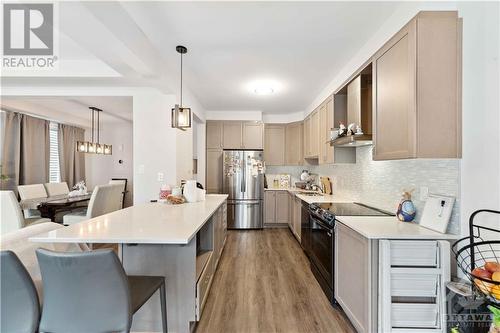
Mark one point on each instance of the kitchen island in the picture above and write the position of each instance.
(181, 242)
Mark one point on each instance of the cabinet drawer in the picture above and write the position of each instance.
(414, 253)
(202, 286)
(410, 315)
(414, 284)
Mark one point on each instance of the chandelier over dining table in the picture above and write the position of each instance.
(94, 147)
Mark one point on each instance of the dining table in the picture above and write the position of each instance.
(50, 206)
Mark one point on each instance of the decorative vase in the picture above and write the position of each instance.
(406, 209)
(190, 191)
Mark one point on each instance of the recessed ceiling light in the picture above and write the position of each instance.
(263, 90)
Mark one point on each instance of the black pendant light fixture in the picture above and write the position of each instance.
(94, 147)
(181, 116)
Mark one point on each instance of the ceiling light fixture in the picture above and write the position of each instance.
(94, 147)
(264, 87)
(181, 116)
(264, 90)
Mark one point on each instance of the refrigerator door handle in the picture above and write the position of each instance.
(244, 174)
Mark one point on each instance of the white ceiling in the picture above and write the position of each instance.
(72, 109)
(301, 45)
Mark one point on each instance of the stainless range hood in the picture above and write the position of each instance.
(352, 141)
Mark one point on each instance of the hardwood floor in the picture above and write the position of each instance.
(264, 284)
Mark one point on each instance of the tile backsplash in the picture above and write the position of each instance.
(381, 183)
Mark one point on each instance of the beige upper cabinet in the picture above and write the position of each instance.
(325, 125)
(354, 101)
(253, 135)
(307, 138)
(232, 135)
(294, 144)
(214, 135)
(242, 135)
(416, 89)
(330, 124)
(315, 134)
(274, 145)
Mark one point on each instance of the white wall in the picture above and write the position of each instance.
(154, 144)
(480, 165)
(99, 169)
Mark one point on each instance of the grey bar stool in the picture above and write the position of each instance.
(90, 292)
(20, 310)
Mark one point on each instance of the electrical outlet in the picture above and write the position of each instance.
(160, 176)
(141, 169)
(424, 193)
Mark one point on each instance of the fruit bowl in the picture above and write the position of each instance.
(480, 262)
(478, 256)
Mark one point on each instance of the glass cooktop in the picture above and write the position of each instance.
(352, 209)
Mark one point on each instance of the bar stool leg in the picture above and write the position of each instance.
(163, 308)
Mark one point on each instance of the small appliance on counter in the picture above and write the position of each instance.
(318, 237)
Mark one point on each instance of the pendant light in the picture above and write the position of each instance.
(181, 116)
(94, 147)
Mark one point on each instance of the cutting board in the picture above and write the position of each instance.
(326, 184)
(437, 212)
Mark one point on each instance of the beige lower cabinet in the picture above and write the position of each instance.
(214, 170)
(297, 217)
(276, 207)
(391, 285)
(212, 238)
(355, 290)
(274, 144)
(417, 90)
(291, 211)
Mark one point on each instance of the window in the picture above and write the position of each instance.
(54, 172)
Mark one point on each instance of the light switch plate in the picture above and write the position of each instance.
(141, 169)
(424, 193)
(160, 176)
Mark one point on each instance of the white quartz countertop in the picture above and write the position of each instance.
(389, 227)
(151, 223)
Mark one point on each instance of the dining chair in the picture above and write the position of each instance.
(20, 310)
(90, 292)
(12, 215)
(56, 188)
(123, 182)
(33, 191)
(104, 200)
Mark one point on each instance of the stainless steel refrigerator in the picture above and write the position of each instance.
(243, 181)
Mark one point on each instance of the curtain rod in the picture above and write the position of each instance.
(4, 109)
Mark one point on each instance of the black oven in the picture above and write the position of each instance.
(305, 229)
(321, 252)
